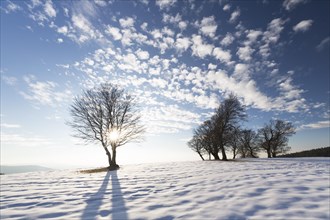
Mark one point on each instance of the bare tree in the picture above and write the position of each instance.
(219, 131)
(196, 144)
(266, 138)
(273, 137)
(234, 142)
(248, 145)
(227, 117)
(107, 115)
(209, 139)
(283, 130)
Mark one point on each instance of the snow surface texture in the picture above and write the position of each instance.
(250, 189)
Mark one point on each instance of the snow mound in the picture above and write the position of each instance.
(254, 189)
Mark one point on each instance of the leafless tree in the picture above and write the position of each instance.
(206, 132)
(108, 115)
(234, 142)
(273, 137)
(196, 144)
(218, 132)
(227, 117)
(248, 144)
(283, 130)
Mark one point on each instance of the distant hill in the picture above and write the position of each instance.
(319, 152)
(22, 169)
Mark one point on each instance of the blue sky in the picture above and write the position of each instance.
(181, 58)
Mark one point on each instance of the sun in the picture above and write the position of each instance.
(114, 135)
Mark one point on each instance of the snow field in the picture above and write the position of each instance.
(245, 189)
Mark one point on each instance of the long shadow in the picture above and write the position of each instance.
(95, 201)
(118, 209)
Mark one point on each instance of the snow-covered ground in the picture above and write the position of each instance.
(253, 189)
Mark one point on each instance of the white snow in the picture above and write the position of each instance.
(248, 189)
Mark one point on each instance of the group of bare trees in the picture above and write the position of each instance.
(108, 115)
(223, 133)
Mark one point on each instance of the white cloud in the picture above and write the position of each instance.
(49, 9)
(169, 119)
(271, 36)
(323, 44)
(24, 140)
(158, 82)
(252, 36)
(234, 16)
(63, 30)
(12, 7)
(114, 32)
(316, 125)
(156, 33)
(176, 20)
(167, 18)
(303, 26)
(66, 12)
(226, 7)
(245, 89)
(5, 125)
(244, 53)
(59, 40)
(101, 3)
(129, 63)
(222, 55)
(167, 31)
(208, 26)
(85, 27)
(227, 40)
(130, 36)
(165, 4)
(154, 60)
(45, 93)
(142, 55)
(288, 90)
(154, 71)
(126, 40)
(274, 30)
(211, 66)
(183, 25)
(126, 22)
(146, 2)
(291, 4)
(199, 48)
(10, 80)
(241, 71)
(144, 26)
(319, 105)
(87, 8)
(182, 44)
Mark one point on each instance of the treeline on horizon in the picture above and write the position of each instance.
(224, 133)
(318, 152)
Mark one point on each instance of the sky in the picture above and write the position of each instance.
(180, 58)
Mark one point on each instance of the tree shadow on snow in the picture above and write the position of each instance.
(117, 210)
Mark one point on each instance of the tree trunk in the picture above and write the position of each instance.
(223, 152)
(216, 156)
(269, 154)
(113, 164)
(252, 153)
(200, 155)
(108, 154)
